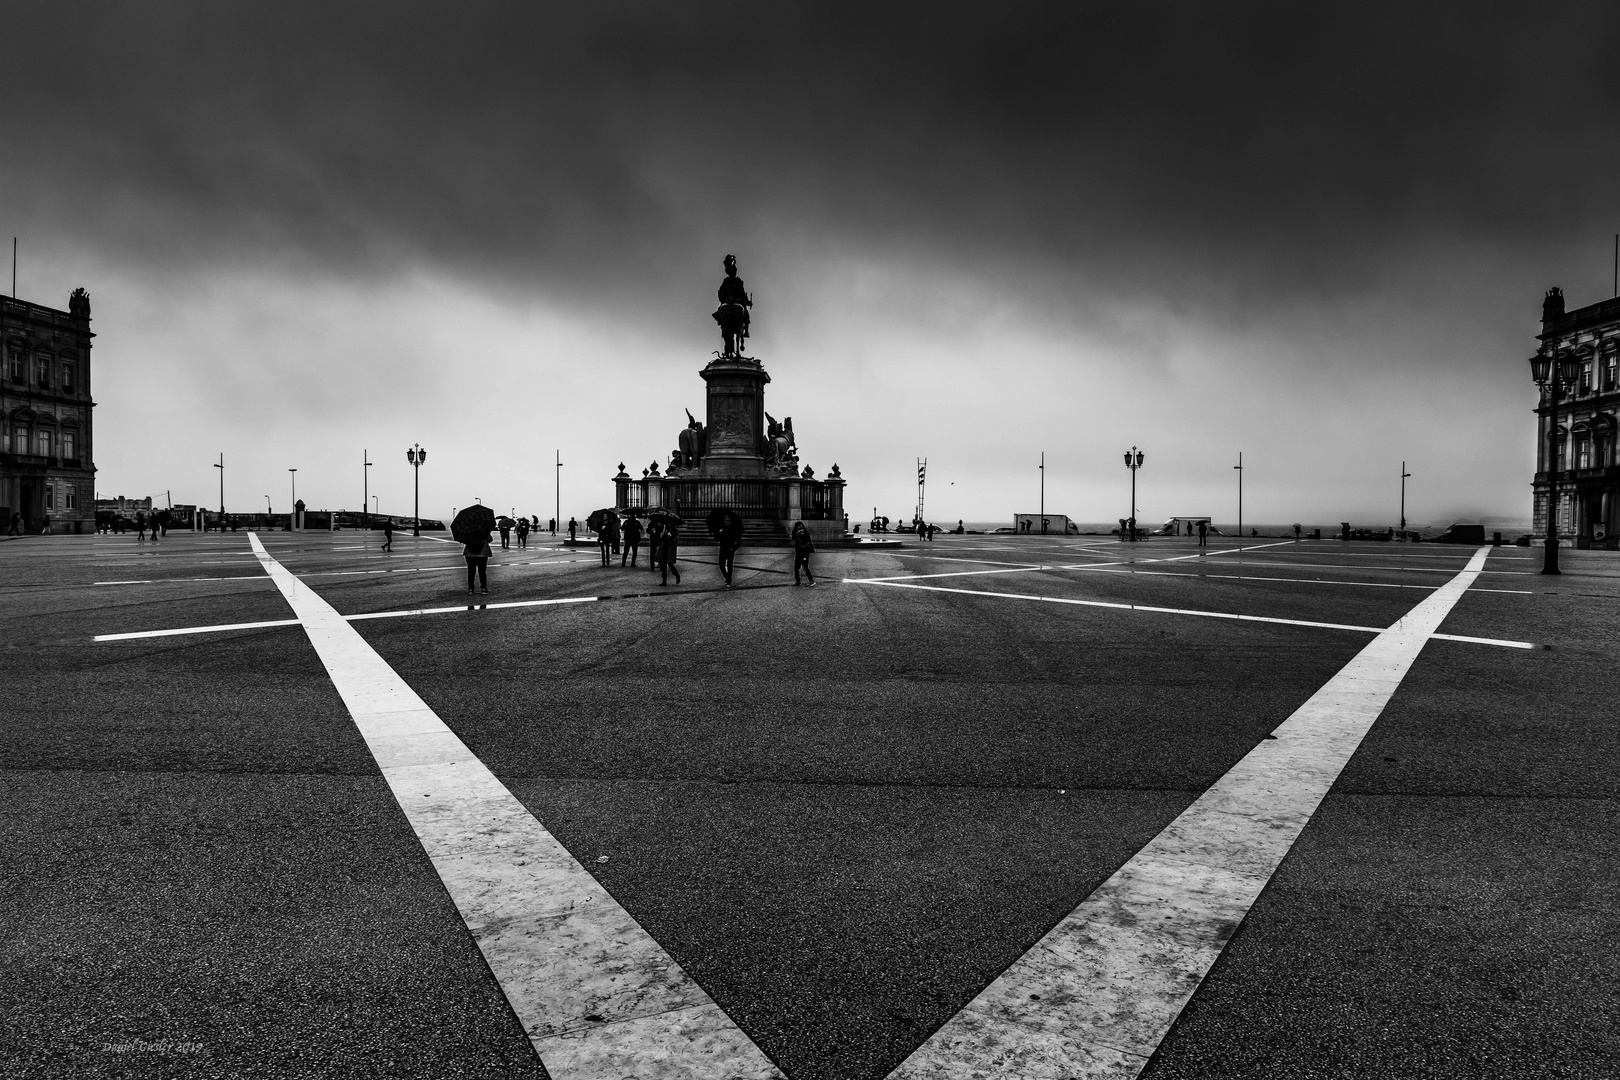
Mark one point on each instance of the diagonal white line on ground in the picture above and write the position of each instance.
(1224, 551)
(599, 998)
(195, 630)
(1097, 994)
(1154, 610)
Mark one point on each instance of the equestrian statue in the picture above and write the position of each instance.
(732, 314)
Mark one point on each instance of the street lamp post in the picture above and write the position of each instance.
(1404, 475)
(416, 455)
(1239, 468)
(1133, 461)
(1552, 373)
(365, 488)
(558, 511)
(293, 521)
(221, 468)
(1043, 491)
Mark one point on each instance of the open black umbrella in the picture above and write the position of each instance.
(505, 522)
(473, 525)
(599, 519)
(725, 523)
(667, 517)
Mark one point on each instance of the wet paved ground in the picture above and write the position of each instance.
(843, 810)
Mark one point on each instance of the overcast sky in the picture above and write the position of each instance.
(1317, 235)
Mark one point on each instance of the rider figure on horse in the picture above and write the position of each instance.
(732, 315)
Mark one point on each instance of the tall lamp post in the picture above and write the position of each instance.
(1043, 491)
(1133, 461)
(416, 455)
(293, 521)
(365, 488)
(1239, 468)
(221, 468)
(558, 518)
(1404, 476)
(1552, 374)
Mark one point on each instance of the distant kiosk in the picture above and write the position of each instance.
(1044, 524)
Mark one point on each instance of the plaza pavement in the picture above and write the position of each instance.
(843, 812)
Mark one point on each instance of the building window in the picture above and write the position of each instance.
(70, 498)
(16, 365)
(42, 443)
(67, 378)
(70, 443)
(1583, 453)
(1611, 372)
(44, 373)
(1586, 378)
(50, 497)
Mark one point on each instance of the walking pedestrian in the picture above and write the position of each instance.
(730, 541)
(388, 535)
(1203, 535)
(667, 545)
(16, 524)
(632, 541)
(523, 533)
(140, 521)
(553, 522)
(477, 556)
(803, 546)
(573, 528)
(506, 535)
(608, 538)
(45, 527)
(655, 538)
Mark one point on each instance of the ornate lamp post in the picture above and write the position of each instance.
(1133, 461)
(1553, 374)
(416, 455)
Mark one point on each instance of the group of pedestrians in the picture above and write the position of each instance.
(663, 544)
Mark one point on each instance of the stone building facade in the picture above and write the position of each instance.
(46, 442)
(1586, 467)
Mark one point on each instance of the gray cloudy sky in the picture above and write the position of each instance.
(1317, 234)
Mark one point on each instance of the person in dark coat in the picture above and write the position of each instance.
(573, 527)
(388, 535)
(632, 541)
(655, 537)
(140, 521)
(506, 535)
(523, 534)
(667, 545)
(1203, 534)
(730, 541)
(608, 538)
(802, 548)
(477, 556)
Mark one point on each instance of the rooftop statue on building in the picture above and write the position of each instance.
(733, 312)
(79, 304)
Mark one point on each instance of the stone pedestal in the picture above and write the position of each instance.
(732, 475)
(735, 420)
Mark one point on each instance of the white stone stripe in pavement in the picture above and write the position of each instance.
(598, 997)
(1096, 995)
(350, 618)
(891, 584)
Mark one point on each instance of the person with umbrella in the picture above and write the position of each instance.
(655, 537)
(666, 549)
(726, 526)
(802, 547)
(523, 533)
(471, 528)
(505, 525)
(632, 540)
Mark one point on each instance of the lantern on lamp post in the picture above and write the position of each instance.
(1133, 461)
(416, 455)
(1554, 370)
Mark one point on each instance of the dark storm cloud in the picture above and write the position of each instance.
(1220, 154)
